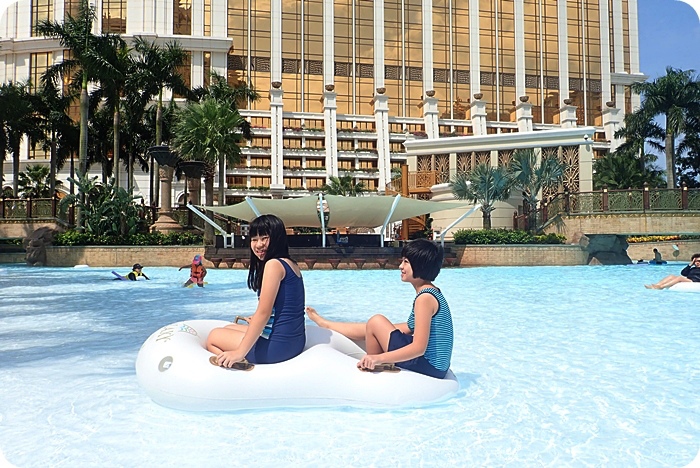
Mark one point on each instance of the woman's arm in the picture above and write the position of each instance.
(272, 277)
(425, 307)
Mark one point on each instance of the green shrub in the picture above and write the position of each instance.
(504, 236)
(72, 238)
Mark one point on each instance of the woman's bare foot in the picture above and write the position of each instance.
(649, 286)
(315, 317)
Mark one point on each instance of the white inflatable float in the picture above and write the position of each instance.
(685, 287)
(173, 368)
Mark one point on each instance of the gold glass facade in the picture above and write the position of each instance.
(182, 17)
(42, 10)
(114, 16)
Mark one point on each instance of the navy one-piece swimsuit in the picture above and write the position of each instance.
(284, 336)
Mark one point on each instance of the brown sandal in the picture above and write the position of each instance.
(243, 365)
(392, 368)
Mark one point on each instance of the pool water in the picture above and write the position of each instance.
(559, 366)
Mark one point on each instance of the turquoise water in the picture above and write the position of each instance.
(559, 366)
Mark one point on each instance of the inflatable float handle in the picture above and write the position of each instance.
(240, 317)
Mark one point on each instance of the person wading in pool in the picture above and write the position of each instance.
(136, 272)
(275, 332)
(424, 343)
(197, 272)
(689, 274)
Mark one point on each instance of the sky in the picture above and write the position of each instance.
(669, 34)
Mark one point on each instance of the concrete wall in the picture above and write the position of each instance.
(16, 229)
(686, 248)
(649, 223)
(97, 256)
(520, 255)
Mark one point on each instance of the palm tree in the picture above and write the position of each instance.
(207, 131)
(639, 132)
(158, 68)
(85, 64)
(620, 170)
(674, 96)
(486, 185)
(60, 130)
(87, 61)
(343, 185)
(34, 182)
(532, 177)
(20, 119)
(117, 68)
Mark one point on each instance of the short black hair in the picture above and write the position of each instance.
(266, 225)
(425, 257)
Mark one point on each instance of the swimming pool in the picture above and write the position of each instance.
(559, 366)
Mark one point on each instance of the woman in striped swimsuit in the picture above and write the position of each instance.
(424, 343)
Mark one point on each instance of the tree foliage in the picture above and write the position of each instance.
(485, 185)
(343, 185)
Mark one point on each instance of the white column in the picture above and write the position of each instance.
(563, 52)
(277, 158)
(478, 114)
(567, 115)
(430, 114)
(378, 44)
(328, 42)
(276, 41)
(520, 50)
(523, 114)
(330, 104)
(276, 106)
(611, 123)
(381, 121)
(427, 30)
(474, 47)
(618, 51)
(219, 19)
(634, 46)
(330, 113)
(197, 9)
(605, 64)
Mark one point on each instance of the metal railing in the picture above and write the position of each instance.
(644, 200)
(34, 209)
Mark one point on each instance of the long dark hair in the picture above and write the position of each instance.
(266, 225)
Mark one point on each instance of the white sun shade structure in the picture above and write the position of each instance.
(342, 212)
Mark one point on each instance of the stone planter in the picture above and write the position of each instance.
(193, 169)
(164, 156)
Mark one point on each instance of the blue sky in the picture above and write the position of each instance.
(669, 34)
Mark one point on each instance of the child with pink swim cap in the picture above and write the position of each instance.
(197, 272)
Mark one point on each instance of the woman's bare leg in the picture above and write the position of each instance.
(379, 329)
(224, 339)
(668, 281)
(354, 331)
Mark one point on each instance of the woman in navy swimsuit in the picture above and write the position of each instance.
(275, 332)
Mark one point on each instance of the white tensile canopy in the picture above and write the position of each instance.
(368, 211)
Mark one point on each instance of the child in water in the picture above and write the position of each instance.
(197, 272)
(423, 344)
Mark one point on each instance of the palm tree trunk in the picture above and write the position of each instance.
(222, 180)
(159, 139)
(115, 151)
(82, 148)
(486, 219)
(670, 162)
(15, 171)
(52, 165)
(209, 201)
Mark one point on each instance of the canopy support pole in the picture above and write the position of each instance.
(252, 206)
(323, 219)
(206, 219)
(444, 231)
(388, 217)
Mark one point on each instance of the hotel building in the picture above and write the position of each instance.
(344, 83)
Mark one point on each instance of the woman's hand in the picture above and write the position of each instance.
(229, 358)
(369, 361)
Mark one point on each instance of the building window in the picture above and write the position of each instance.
(38, 64)
(185, 70)
(206, 66)
(114, 16)
(182, 17)
(207, 17)
(42, 10)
